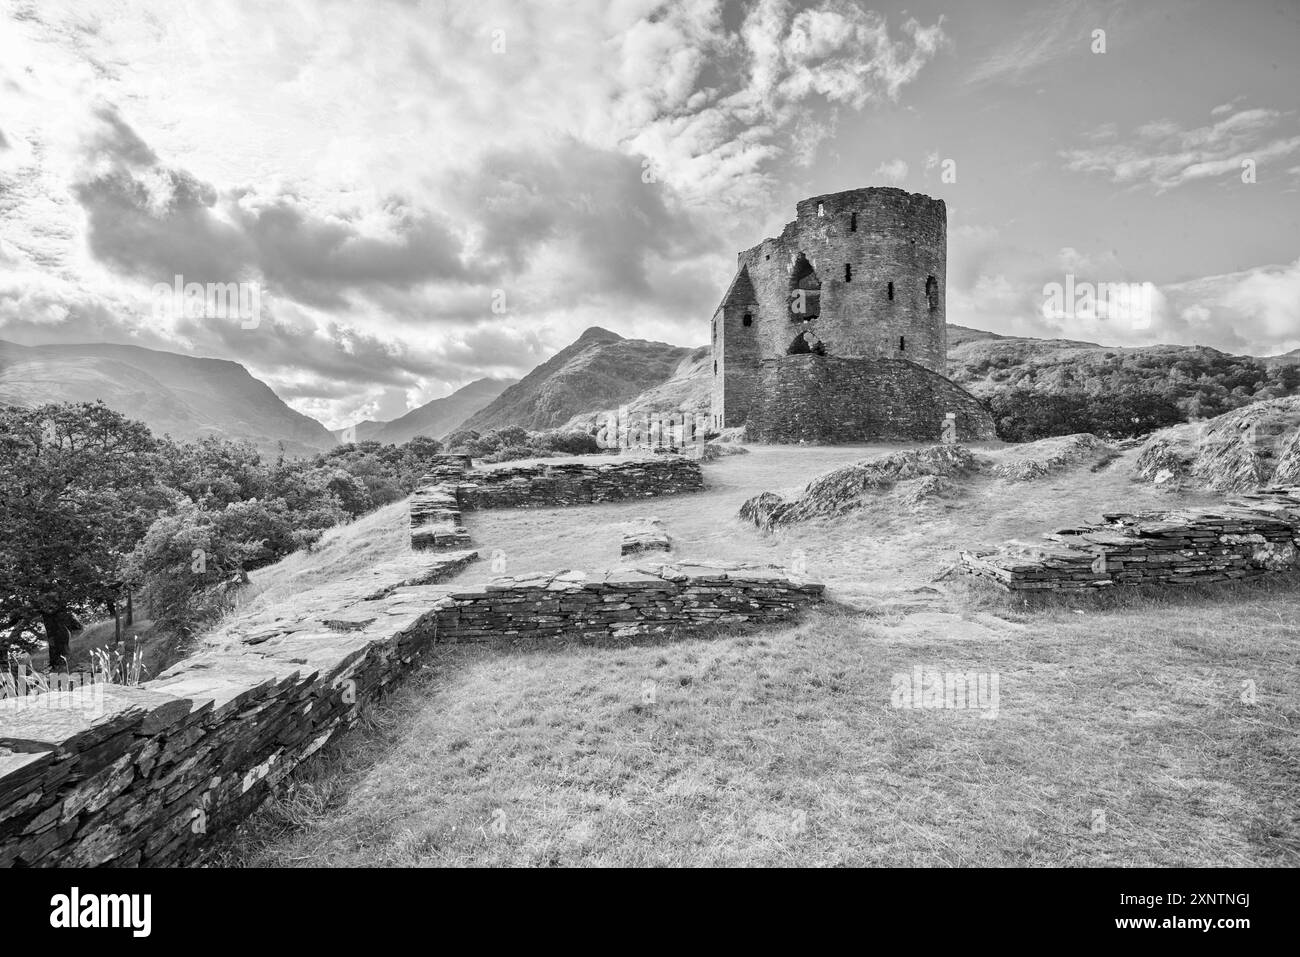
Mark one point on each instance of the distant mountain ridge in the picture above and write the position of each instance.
(986, 363)
(599, 370)
(437, 417)
(183, 396)
(1285, 359)
(188, 397)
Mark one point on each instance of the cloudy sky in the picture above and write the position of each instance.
(430, 192)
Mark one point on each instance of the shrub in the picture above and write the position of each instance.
(568, 442)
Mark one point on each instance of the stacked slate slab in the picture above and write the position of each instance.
(455, 487)
(645, 535)
(435, 509)
(435, 519)
(1248, 537)
(630, 602)
(580, 483)
(151, 775)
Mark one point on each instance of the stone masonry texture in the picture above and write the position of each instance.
(1248, 537)
(161, 770)
(826, 399)
(860, 274)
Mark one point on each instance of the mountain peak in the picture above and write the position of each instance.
(597, 334)
(598, 370)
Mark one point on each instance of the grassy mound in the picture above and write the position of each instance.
(1046, 456)
(848, 488)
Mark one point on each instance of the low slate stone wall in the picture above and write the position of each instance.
(160, 770)
(578, 483)
(624, 603)
(149, 775)
(830, 399)
(1247, 538)
(435, 518)
(645, 535)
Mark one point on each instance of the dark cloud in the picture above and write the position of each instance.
(338, 353)
(311, 258)
(608, 239)
(595, 200)
(155, 222)
(117, 142)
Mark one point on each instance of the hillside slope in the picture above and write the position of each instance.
(688, 390)
(600, 370)
(183, 396)
(440, 416)
(1285, 359)
(1201, 380)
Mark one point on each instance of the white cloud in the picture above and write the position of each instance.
(892, 171)
(1050, 33)
(1164, 155)
(360, 127)
(1252, 312)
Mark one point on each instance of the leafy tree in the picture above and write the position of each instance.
(188, 564)
(216, 471)
(78, 486)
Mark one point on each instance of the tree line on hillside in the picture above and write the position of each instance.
(1120, 395)
(513, 442)
(94, 509)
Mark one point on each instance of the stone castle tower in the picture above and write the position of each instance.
(835, 330)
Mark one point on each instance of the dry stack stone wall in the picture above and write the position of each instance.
(150, 775)
(624, 603)
(447, 491)
(154, 773)
(579, 483)
(645, 535)
(1249, 537)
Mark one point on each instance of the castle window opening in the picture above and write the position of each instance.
(932, 292)
(848, 272)
(902, 343)
(891, 292)
(806, 344)
(805, 290)
(853, 222)
(715, 366)
(747, 320)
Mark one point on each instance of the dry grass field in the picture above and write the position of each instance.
(1131, 729)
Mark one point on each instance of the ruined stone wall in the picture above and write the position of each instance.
(578, 483)
(1247, 538)
(624, 603)
(824, 399)
(151, 775)
(161, 771)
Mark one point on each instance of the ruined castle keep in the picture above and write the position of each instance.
(835, 330)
